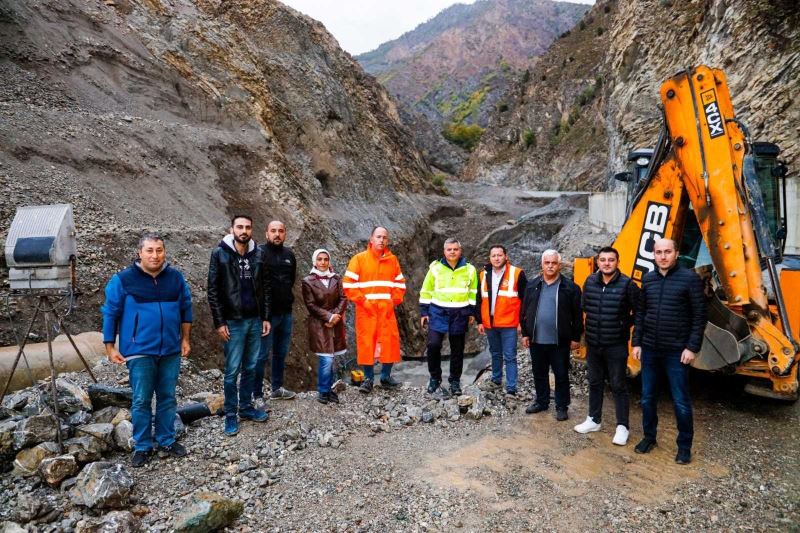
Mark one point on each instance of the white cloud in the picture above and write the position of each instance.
(362, 25)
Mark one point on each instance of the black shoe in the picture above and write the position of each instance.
(139, 459)
(562, 414)
(455, 389)
(322, 397)
(645, 445)
(433, 385)
(535, 408)
(175, 449)
(684, 456)
(333, 397)
(366, 386)
(390, 383)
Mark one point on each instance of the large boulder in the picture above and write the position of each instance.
(71, 398)
(31, 506)
(113, 522)
(105, 415)
(81, 418)
(28, 460)
(102, 485)
(101, 432)
(35, 429)
(207, 511)
(85, 448)
(103, 396)
(123, 436)
(56, 469)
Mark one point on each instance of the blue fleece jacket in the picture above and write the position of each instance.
(146, 312)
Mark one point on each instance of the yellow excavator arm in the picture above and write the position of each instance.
(702, 167)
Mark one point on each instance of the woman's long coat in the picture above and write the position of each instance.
(322, 302)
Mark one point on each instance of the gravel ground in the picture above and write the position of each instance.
(367, 465)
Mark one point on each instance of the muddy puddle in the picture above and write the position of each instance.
(505, 469)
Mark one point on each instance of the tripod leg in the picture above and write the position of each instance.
(85, 364)
(53, 387)
(21, 349)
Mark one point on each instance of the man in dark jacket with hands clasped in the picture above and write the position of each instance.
(668, 334)
(552, 325)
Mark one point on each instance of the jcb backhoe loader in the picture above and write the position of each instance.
(717, 194)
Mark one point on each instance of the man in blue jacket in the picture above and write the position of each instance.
(149, 309)
(668, 333)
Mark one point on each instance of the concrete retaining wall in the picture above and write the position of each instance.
(607, 212)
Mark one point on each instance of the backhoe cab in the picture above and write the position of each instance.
(722, 198)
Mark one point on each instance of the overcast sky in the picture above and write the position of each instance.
(362, 25)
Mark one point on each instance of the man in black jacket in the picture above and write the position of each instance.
(281, 274)
(610, 299)
(667, 335)
(240, 300)
(552, 324)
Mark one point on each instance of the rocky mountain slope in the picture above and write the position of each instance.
(174, 115)
(594, 95)
(456, 67)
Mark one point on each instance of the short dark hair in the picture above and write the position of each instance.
(149, 236)
(492, 247)
(608, 250)
(234, 217)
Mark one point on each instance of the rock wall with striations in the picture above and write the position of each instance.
(594, 95)
(174, 115)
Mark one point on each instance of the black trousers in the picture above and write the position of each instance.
(611, 362)
(543, 358)
(435, 340)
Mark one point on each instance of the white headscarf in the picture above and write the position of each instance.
(327, 274)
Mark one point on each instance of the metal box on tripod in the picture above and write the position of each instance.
(41, 248)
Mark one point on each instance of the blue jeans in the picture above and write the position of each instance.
(280, 335)
(386, 371)
(678, 378)
(325, 374)
(149, 375)
(503, 347)
(241, 355)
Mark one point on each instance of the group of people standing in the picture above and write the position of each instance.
(250, 294)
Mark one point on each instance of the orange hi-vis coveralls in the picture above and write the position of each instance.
(375, 284)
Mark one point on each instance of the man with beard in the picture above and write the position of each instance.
(281, 268)
(239, 297)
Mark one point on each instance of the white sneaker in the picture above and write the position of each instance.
(587, 426)
(621, 436)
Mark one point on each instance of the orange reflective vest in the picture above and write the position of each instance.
(508, 301)
(375, 284)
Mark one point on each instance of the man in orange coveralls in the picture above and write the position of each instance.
(375, 284)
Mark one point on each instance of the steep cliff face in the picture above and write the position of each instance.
(456, 67)
(594, 95)
(175, 115)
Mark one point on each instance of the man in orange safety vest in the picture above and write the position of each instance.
(500, 294)
(374, 283)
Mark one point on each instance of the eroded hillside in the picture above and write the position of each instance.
(594, 95)
(172, 116)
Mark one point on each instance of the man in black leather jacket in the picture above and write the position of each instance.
(668, 334)
(239, 297)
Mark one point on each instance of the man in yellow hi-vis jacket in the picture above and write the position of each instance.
(447, 306)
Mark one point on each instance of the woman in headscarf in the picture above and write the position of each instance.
(326, 304)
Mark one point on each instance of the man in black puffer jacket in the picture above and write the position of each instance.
(610, 299)
(668, 334)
